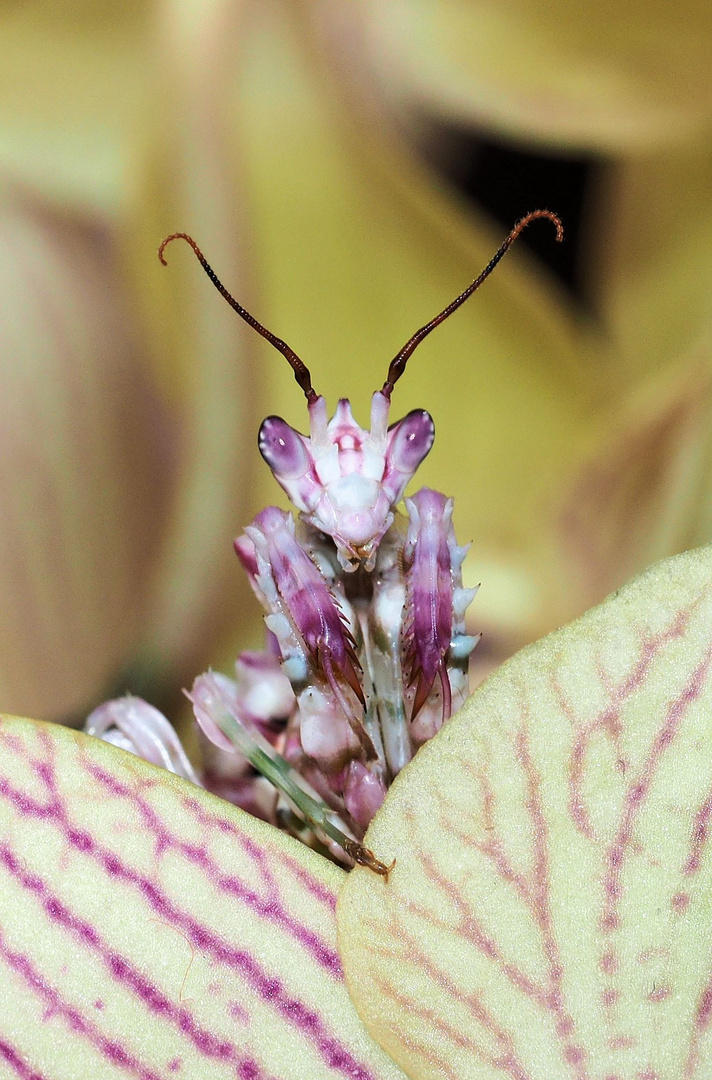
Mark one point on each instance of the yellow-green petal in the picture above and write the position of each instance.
(150, 930)
(549, 912)
(615, 77)
(87, 462)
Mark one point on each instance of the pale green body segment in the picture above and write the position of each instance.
(150, 930)
(550, 913)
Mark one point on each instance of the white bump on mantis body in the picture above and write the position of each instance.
(462, 645)
(461, 600)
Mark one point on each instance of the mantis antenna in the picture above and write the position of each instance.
(301, 371)
(399, 361)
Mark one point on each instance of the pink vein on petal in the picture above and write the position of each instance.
(639, 789)
(268, 988)
(124, 973)
(18, 1064)
(535, 894)
(700, 837)
(317, 888)
(609, 719)
(270, 909)
(79, 1024)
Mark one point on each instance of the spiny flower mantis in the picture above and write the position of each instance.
(367, 651)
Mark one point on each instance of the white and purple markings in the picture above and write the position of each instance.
(365, 605)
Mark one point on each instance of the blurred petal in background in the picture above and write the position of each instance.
(347, 169)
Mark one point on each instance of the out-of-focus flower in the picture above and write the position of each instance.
(121, 460)
(87, 461)
(639, 490)
(291, 144)
(611, 77)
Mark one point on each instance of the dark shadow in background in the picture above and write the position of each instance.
(509, 180)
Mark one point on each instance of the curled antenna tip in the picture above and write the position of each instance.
(178, 236)
(532, 216)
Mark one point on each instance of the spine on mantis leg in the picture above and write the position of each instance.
(219, 711)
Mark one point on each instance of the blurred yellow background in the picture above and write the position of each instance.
(347, 168)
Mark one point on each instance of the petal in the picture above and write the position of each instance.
(548, 915)
(609, 76)
(150, 930)
(635, 495)
(73, 93)
(87, 462)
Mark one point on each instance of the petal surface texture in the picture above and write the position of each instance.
(148, 930)
(549, 912)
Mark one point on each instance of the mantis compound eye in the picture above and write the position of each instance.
(411, 440)
(282, 448)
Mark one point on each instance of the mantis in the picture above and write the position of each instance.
(367, 651)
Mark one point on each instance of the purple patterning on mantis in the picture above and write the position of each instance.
(367, 653)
